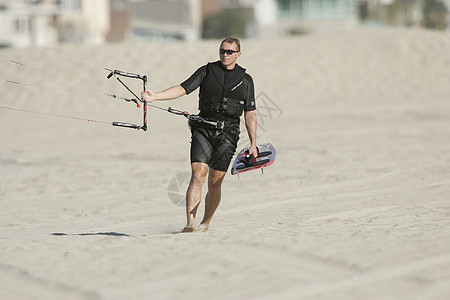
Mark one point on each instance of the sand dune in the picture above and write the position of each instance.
(356, 207)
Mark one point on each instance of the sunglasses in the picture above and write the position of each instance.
(229, 52)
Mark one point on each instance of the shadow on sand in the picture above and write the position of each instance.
(91, 233)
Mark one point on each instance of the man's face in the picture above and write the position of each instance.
(228, 55)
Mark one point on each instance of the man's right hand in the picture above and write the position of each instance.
(168, 94)
(148, 96)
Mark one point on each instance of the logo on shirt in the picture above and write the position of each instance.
(236, 86)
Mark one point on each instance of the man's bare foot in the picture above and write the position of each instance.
(188, 228)
(202, 228)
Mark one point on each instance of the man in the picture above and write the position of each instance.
(226, 91)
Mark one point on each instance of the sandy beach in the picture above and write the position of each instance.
(357, 205)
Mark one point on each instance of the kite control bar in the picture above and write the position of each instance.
(126, 74)
(136, 100)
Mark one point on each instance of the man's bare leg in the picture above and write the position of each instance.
(212, 198)
(194, 194)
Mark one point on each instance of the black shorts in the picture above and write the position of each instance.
(212, 147)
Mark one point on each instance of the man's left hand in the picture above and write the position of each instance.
(253, 150)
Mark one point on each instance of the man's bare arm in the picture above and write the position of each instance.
(167, 94)
(251, 125)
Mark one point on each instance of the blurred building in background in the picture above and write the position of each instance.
(290, 17)
(268, 18)
(294, 17)
(50, 22)
(156, 20)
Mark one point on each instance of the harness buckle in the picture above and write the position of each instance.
(220, 125)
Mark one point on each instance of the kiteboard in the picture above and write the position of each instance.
(246, 162)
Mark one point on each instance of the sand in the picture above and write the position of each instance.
(357, 205)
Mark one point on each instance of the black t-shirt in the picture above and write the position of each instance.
(196, 79)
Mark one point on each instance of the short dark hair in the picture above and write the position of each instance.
(232, 40)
